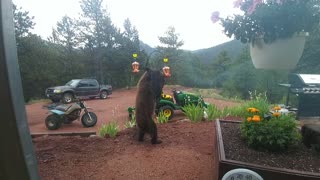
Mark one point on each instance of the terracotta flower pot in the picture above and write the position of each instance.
(280, 54)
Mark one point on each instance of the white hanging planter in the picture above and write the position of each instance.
(280, 54)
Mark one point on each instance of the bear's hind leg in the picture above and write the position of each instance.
(154, 134)
(140, 134)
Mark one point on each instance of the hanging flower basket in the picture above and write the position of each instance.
(273, 28)
(280, 54)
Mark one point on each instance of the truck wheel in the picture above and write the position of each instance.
(167, 111)
(67, 97)
(53, 122)
(103, 94)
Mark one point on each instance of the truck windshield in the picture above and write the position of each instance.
(73, 83)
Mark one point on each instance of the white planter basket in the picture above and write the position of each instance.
(281, 54)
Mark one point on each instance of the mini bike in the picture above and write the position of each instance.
(66, 113)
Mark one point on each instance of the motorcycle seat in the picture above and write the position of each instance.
(63, 108)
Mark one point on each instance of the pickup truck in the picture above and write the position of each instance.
(78, 88)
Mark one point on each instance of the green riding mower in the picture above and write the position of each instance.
(167, 104)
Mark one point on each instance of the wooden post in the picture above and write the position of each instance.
(17, 158)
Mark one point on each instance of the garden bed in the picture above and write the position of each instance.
(296, 163)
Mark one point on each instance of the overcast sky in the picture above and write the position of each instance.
(191, 18)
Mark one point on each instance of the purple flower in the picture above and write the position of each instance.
(215, 16)
(237, 3)
(252, 8)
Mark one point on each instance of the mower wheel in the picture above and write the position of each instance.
(167, 111)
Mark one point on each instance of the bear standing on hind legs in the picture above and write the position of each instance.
(149, 91)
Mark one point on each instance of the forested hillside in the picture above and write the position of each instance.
(233, 47)
(92, 46)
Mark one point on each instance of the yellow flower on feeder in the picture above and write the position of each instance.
(135, 55)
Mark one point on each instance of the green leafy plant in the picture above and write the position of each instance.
(212, 112)
(194, 112)
(110, 129)
(270, 19)
(162, 118)
(131, 122)
(258, 101)
(275, 133)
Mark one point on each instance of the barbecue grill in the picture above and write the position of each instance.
(307, 87)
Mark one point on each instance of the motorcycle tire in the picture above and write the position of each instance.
(53, 122)
(87, 122)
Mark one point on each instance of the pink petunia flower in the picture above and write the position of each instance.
(237, 3)
(215, 16)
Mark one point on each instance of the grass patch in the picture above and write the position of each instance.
(212, 112)
(193, 112)
(111, 129)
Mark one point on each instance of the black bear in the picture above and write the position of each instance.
(149, 91)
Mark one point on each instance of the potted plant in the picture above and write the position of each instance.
(275, 29)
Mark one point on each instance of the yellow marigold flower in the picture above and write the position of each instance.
(256, 118)
(249, 119)
(276, 114)
(277, 108)
(253, 110)
(249, 109)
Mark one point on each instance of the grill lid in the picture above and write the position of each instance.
(304, 83)
(304, 80)
(310, 78)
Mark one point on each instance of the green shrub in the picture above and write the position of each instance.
(213, 112)
(162, 118)
(276, 134)
(111, 129)
(194, 112)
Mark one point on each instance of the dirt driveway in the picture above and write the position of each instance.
(187, 151)
(114, 108)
